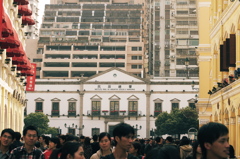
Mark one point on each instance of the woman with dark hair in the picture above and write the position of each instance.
(70, 150)
(135, 149)
(87, 148)
(196, 151)
(105, 146)
(53, 144)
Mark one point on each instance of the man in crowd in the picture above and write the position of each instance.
(123, 135)
(6, 139)
(213, 139)
(28, 150)
(169, 150)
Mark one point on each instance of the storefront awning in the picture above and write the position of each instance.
(21, 2)
(24, 10)
(7, 28)
(27, 20)
(19, 51)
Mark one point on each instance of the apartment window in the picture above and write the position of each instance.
(193, 42)
(71, 131)
(114, 107)
(96, 107)
(182, 12)
(182, 23)
(158, 109)
(95, 131)
(194, 32)
(133, 108)
(37, 60)
(175, 106)
(192, 105)
(72, 108)
(136, 48)
(55, 108)
(136, 57)
(136, 66)
(39, 107)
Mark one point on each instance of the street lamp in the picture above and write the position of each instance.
(73, 127)
(136, 129)
(187, 68)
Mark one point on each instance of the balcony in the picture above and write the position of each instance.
(38, 111)
(72, 113)
(120, 113)
(55, 113)
(157, 112)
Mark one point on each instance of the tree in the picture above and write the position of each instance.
(179, 121)
(40, 121)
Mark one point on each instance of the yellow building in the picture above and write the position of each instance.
(219, 64)
(12, 81)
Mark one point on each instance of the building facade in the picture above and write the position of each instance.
(14, 65)
(172, 37)
(96, 104)
(219, 66)
(81, 38)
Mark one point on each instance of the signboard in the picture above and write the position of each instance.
(31, 79)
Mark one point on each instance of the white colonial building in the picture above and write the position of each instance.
(92, 105)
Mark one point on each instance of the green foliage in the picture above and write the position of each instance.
(177, 122)
(40, 121)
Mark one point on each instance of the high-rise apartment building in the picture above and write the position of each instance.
(172, 38)
(83, 38)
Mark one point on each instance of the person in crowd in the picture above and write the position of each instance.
(62, 139)
(70, 150)
(169, 150)
(185, 148)
(135, 150)
(28, 150)
(87, 148)
(196, 151)
(105, 146)
(71, 137)
(231, 152)
(95, 144)
(17, 142)
(123, 135)
(214, 141)
(44, 141)
(149, 146)
(54, 143)
(159, 141)
(6, 139)
(82, 138)
(142, 142)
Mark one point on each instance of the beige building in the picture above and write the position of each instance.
(79, 38)
(219, 65)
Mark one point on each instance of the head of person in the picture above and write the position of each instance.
(62, 139)
(17, 136)
(169, 139)
(30, 135)
(87, 141)
(184, 141)
(7, 137)
(123, 135)
(105, 141)
(82, 138)
(54, 142)
(72, 150)
(70, 138)
(95, 138)
(135, 148)
(213, 139)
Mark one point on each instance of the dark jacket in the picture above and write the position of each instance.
(111, 156)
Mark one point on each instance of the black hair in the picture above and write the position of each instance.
(87, 141)
(231, 152)
(70, 138)
(67, 148)
(37, 144)
(55, 140)
(95, 137)
(170, 139)
(103, 134)
(10, 131)
(137, 146)
(30, 127)
(184, 141)
(17, 135)
(82, 137)
(122, 129)
(209, 133)
(194, 149)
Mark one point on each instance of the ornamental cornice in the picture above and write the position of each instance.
(226, 14)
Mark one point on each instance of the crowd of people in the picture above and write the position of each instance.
(212, 143)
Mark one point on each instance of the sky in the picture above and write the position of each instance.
(41, 10)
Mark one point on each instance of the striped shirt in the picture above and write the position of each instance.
(21, 153)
